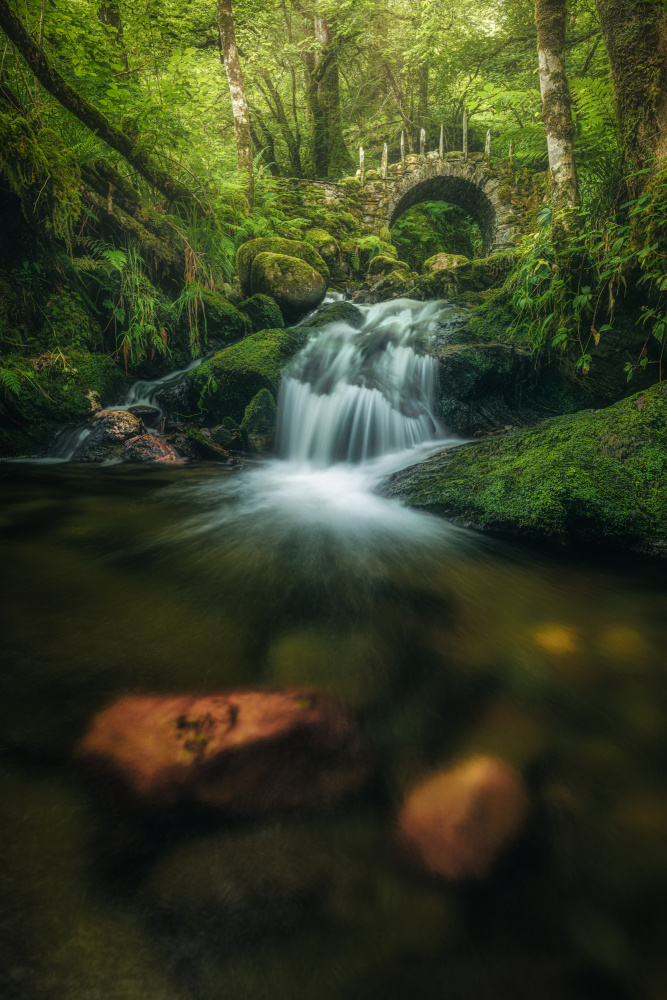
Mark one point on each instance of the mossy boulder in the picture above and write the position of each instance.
(336, 312)
(258, 427)
(443, 262)
(382, 264)
(224, 322)
(295, 285)
(247, 253)
(593, 476)
(223, 385)
(325, 244)
(263, 313)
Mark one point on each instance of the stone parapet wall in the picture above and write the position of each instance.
(489, 194)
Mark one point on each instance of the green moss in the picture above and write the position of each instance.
(223, 320)
(68, 323)
(384, 265)
(592, 476)
(336, 312)
(258, 426)
(296, 286)
(247, 253)
(263, 312)
(225, 384)
(57, 388)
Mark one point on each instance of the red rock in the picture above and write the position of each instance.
(244, 752)
(457, 822)
(150, 448)
(119, 424)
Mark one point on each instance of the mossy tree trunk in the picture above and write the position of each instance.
(109, 15)
(551, 21)
(635, 36)
(230, 56)
(87, 113)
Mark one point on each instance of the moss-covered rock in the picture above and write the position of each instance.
(56, 388)
(385, 265)
(325, 244)
(223, 385)
(258, 427)
(336, 312)
(247, 253)
(593, 476)
(224, 322)
(263, 313)
(443, 262)
(296, 286)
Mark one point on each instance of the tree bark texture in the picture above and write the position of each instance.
(551, 21)
(422, 101)
(335, 156)
(635, 36)
(109, 15)
(86, 112)
(230, 56)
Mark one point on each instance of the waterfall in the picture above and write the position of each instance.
(354, 394)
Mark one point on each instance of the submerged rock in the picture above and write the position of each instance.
(336, 312)
(296, 286)
(258, 427)
(244, 752)
(247, 253)
(457, 822)
(592, 476)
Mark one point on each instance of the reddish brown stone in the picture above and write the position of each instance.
(150, 448)
(119, 424)
(457, 822)
(244, 752)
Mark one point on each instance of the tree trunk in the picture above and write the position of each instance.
(551, 19)
(635, 36)
(87, 113)
(422, 100)
(280, 116)
(336, 156)
(109, 15)
(230, 56)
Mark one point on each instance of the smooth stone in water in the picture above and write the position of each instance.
(150, 448)
(457, 822)
(244, 752)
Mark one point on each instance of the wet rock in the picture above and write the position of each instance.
(296, 286)
(258, 427)
(588, 476)
(203, 446)
(243, 752)
(151, 415)
(481, 387)
(263, 313)
(149, 448)
(457, 822)
(385, 265)
(228, 435)
(325, 244)
(109, 430)
(335, 312)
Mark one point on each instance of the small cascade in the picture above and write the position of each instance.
(356, 394)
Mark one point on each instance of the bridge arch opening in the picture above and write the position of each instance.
(435, 227)
(457, 191)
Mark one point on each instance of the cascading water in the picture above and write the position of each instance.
(355, 394)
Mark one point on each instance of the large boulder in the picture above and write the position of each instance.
(107, 432)
(336, 312)
(593, 476)
(444, 262)
(150, 448)
(223, 385)
(263, 313)
(483, 387)
(247, 252)
(224, 322)
(296, 286)
(243, 752)
(385, 265)
(258, 427)
(325, 244)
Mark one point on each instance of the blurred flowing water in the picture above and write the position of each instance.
(295, 571)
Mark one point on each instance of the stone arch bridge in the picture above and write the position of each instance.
(471, 182)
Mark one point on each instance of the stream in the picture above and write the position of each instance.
(295, 571)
